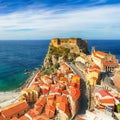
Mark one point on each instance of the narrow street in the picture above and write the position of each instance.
(83, 100)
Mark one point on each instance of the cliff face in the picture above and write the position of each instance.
(64, 49)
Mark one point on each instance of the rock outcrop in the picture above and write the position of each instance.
(64, 49)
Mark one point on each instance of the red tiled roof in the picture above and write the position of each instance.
(50, 110)
(41, 101)
(100, 53)
(45, 86)
(51, 97)
(15, 118)
(75, 78)
(38, 109)
(104, 93)
(107, 101)
(75, 85)
(41, 117)
(23, 118)
(112, 63)
(63, 78)
(56, 88)
(95, 67)
(15, 108)
(1, 117)
(79, 118)
(75, 93)
(65, 92)
(32, 113)
(64, 107)
(45, 91)
(60, 99)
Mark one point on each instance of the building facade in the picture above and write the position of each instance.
(106, 61)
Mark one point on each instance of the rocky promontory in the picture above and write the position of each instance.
(64, 49)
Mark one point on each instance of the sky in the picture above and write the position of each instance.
(46, 19)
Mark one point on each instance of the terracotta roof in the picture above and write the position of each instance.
(64, 107)
(63, 79)
(100, 53)
(47, 79)
(75, 78)
(41, 82)
(104, 93)
(50, 99)
(75, 85)
(110, 63)
(1, 117)
(15, 118)
(60, 99)
(75, 93)
(107, 101)
(38, 109)
(45, 86)
(23, 118)
(79, 118)
(96, 56)
(50, 110)
(32, 113)
(56, 88)
(15, 108)
(41, 117)
(45, 91)
(95, 68)
(41, 101)
(65, 92)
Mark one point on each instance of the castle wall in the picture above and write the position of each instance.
(76, 45)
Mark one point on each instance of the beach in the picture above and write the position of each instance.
(7, 98)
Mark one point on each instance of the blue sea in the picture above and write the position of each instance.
(16, 56)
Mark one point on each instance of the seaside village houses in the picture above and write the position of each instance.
(57, 96)
(106, 61)
(104, 91)
(54, 96)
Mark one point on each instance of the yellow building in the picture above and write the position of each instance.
(75, 79)
(15, 110)
(30, 94)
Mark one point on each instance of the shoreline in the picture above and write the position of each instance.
(27, 82)
(8, 97)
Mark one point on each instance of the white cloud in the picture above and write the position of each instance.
(93, 22)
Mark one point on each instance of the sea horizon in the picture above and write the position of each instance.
(18, 55)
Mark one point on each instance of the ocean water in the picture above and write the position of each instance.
(16, 56)
(109, 46)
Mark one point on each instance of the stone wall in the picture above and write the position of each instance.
(76, 45)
